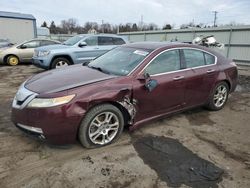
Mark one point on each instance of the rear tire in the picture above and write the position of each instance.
(12, 60)
(219, 96)
(101, 126)
(60, 62)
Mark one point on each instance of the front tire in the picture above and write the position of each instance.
(219, 97)
(101, 126)
(60, 62)
(12, 60)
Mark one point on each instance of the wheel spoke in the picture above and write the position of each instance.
(96, 136)
(114, 125)
(103, 138)
(216, 96)
(108, 117)
(97, 122)
(94, 133)
(224, 90)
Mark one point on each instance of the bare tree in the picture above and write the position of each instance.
(69, 25)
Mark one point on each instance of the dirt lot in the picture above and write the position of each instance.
(221, 139)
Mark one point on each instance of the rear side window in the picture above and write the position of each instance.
(32, 44)
(194, 58)
(118, 41)
(105, 41)
(47, 42)
(210, 59)
(166, 62)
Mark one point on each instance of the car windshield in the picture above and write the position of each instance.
(73, 40)
(119, 61)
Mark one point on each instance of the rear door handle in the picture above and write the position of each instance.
(178, 78)
(210, 71)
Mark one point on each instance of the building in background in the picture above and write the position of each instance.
(43, 32)
(17, 27)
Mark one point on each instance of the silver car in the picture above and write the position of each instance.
(22, 52)
(78, 49)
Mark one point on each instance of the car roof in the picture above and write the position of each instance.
(157, 45)
(151, 46)
(100, 34)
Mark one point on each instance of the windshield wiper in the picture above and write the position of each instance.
(99, 69)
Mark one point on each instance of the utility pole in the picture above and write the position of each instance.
(102, 26)
(215, 17)
(141, 22)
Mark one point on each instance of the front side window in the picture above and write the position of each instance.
(194, 58)
(119, 61)
(73, 40)
(105, 41)
(91, 41)
(166, 62)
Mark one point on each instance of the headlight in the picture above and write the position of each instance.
(42, 53)
(42, 103)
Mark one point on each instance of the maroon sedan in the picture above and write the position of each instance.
(129, 85)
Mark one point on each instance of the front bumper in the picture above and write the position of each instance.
(1, 59)
(33, 131)
(41, 62)
(58, 125)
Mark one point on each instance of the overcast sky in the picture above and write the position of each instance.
(123, 11)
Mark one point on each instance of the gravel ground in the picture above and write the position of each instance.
(220, 138)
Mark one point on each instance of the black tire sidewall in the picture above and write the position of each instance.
(55, 61)
(91, 114)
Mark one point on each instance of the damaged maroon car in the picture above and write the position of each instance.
(127, 86)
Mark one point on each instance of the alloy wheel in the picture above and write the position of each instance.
(103, 128)
(220, 96)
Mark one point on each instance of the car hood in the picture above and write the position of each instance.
(65, 78)
(52, 47)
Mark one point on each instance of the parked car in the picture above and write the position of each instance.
(5, 43)
(128, 85)
(23, 52)
(78, 49)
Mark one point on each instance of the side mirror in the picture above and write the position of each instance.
(144, 76)
(82, 44)
(23, 46)
(151, 84)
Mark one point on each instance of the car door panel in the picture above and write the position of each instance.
(167, 96)
(170, 91)
(199, 82)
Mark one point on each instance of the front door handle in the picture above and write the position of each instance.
(178, 78)
(210, 71)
